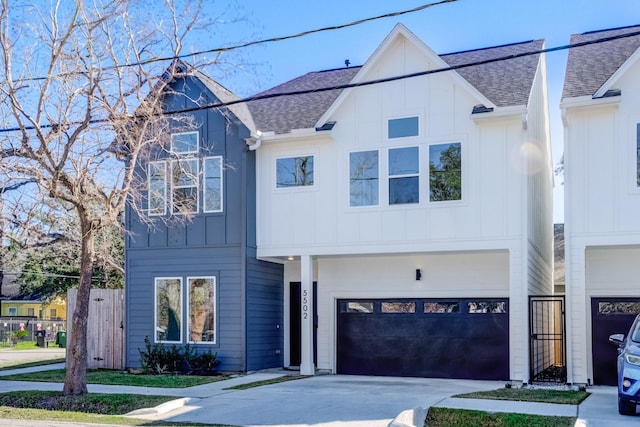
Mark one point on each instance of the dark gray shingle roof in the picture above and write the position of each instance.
(505, 83)
(283, 113)
(589, 67)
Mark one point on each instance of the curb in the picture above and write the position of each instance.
(162, 408)
(410, 418)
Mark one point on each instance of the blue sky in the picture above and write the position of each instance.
(452, 27)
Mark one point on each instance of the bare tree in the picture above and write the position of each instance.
(71, 111)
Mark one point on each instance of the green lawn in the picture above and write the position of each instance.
(446, 417)
(266, 382)
(567, 397)
(110, 377)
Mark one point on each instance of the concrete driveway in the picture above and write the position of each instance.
(326, 400)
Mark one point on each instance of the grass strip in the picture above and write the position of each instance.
(20, 365)
(265, 382)
(565, 397)
(447, 417)
(112, 377)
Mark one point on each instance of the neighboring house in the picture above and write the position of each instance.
(601, 115)
(413, 217)
(192, 276)
(16, 305)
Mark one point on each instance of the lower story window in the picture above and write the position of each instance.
(198, 302)
(168, 309)
(202, 309)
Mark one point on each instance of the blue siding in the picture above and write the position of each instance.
(265, 338)
(249, 292)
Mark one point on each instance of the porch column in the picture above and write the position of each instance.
(306, 309)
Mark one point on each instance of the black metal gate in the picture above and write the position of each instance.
(548, 354)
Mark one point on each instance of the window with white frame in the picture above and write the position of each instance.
(13, 311)
(168, 309)
(212, 184)
(363, 178)
(157, 188)
(184, 186)
(404, 178)
(403, 127)
(201, 306)
(294, 172)
(445, 172)
(184, 142)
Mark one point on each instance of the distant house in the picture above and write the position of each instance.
(192, 275)
(412, 217)
(14, 304)
(601, 115)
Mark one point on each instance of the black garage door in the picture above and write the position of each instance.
(609, 316)
(444, 338)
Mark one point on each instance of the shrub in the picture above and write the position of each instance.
(159, 359)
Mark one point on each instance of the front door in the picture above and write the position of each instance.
(295, 324)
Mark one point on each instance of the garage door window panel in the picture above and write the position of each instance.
(441, 307)
(487, 307)
(613, 308)
(356, 307)
(398, 307)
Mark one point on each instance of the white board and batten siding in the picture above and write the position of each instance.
(105, 332)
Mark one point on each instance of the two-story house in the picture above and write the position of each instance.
(411, 210)
(601, 115)
(192, 276)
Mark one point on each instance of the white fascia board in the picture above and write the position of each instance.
(307, 133)
(398, 31)
(586, 102)
(611, 81)
(517, 111)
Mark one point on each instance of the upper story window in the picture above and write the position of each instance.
(403, 127)
(294, 172)
(157, 188)
(176, 185)
(184, 186)
(404, 168)
(363, 178)
(184, 142)
(212, 184)
(445, 172)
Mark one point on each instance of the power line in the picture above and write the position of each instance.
(255, 42)
(354, 85)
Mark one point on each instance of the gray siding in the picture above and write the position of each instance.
(248, 292)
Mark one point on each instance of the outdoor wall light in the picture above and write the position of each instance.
(418, 274)
(290, 257)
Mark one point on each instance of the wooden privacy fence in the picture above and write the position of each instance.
(105, 331)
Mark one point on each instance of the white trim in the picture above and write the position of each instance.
(204, 184)
(173, 151)
(164, 194)
(215, 310)
(155, 309)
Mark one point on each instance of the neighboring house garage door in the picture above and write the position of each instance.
(443, 338)
(609, 316)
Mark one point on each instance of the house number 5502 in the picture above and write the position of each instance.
(305, 304)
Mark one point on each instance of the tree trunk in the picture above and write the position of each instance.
(75, 382)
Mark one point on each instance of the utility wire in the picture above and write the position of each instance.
(353, 85)
(255, 42)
